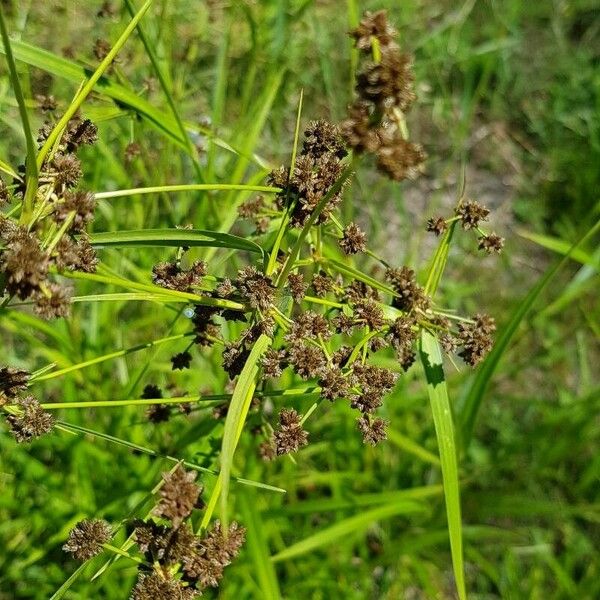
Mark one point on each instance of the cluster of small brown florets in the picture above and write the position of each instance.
(331, 347)
(318, 166)
(385, 93)
(55, 238)
(470, 214)
(177, 562)
(26, 419)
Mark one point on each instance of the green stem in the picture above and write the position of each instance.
(186, 188)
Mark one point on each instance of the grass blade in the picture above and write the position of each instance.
(31, 168)
(431, 358)
(148, 47)
(347, 527)
(236, 416)
(258, 547)
(173, 237)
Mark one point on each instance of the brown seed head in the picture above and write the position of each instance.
(86, 538)
(178, 495)
(32, 422)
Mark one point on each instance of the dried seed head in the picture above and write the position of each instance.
(170, 275)
(400, 159)
(359, 290)
(32, 422)
(154, 586)
(46, 103)
(388, 83)
(322, 137)
(12, 381)
(101, 49)
(297, 286)
(471, 213)
(67, 170)
(225, 289)
(22, 261)
(132, 151)
(491, 243)
(369, 313)
(156, 413)
(373, 431)
(289, 436)
(322, 284)
(234, 358)
(81, 203)
(107, 10)
(75, 255)
(255, 287)
(308, 361)
(354, 239)
(86, 538)
(251, 208)
(309, 325)
(181, 361)
(273, 363)
(334, 385)
(214, 553)
(437, 225)
(358, 131)
(373, 25)
(410, 293)
(341, 355)
(52, 302)
(266, 450)
(167, 545)
(476, 339)
(343, 324)
(178, 495)
(79, 132)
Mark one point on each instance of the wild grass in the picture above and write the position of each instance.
(210, 94)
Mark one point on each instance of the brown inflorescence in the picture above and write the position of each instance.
(86, 538)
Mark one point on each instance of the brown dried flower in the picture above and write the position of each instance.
(155, 586)
(437, 225)
(86, 538)
(255, 287)
(491, 243)
(32, 422)
(178, 495)
(373, 430)
(471, 213)
(52, 302)
(476, 339)
(289, 436)
(354, 239)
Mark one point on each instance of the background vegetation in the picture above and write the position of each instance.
(511, 89)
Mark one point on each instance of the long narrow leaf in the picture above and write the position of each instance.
(236, 416)
(31, 168)
(174, 238)
(431, 357)
(348, 527)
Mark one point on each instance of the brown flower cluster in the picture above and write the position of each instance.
(29, 251)
(26, 419)
(171, 546)
(318, 167)
(170, 275)
(384, 88)
(469, 214)
(86, 538)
